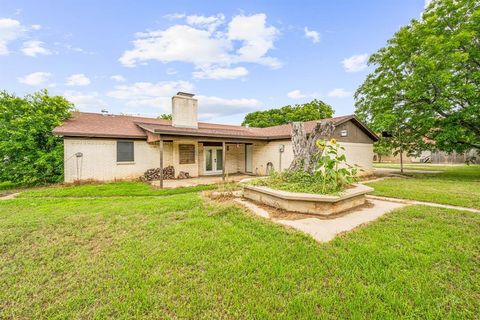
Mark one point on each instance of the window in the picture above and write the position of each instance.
(186, 153)
(125, 151)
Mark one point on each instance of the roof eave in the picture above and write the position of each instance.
(95, 135)
(201, 134)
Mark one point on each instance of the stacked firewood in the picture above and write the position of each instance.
(169, 172)
(154, 174)
(183, 175)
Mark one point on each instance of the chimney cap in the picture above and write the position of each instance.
(186, 94)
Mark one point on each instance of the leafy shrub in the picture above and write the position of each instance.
(29, 152)
(331, 175)
(6, 185)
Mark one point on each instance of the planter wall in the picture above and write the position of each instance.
(324, 205)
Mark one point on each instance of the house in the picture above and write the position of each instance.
(109, 147)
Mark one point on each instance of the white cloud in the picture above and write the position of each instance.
(177, 43)
(210, 107)
(10, 30)
(76, 49)
(257, 39)
(34, 47)
(296, 94)
(85, 100)
(158, 95)
(339, 93)
(118, 78)
(200, 42)
(221, 73)
(150, 94)
(35, 79)
(355, 63)
(173, 16)
(36, 27)
(210, 23)
(78, 80)
(312, 35)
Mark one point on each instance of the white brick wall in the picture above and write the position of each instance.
(99, 158)
(265, 152)
(99, 161)
(360, 154)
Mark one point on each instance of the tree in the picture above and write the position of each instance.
(382, 148)
(313, 110)
(425, 89)
(165, 116)
(305, 150)
(29, 152)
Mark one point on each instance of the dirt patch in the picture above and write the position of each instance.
(221, 195)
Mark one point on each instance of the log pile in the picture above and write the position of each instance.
(183, 175)
(154, 174)
(169, 172)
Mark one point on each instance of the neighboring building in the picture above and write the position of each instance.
(112, 147)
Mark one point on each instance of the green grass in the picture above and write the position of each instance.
(418, 166)
(114, 189)
(456, 185)
(177, 257)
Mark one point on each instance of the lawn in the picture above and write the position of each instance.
(114, 189)
(455, 185)
(177, 256)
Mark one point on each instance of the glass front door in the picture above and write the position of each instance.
(213, 160)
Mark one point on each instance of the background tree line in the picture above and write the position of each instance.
(313, 110)
(29, 152)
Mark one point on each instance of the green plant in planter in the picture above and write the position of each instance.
(331, 174)
(332, 168)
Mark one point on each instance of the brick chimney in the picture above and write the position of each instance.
(184, 110)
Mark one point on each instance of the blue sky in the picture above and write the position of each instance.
(236, 56)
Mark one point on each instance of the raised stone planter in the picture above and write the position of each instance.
(323, 205)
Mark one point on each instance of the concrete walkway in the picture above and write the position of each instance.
(324, 230)
(430, 204)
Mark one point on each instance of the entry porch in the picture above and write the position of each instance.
(206, 160)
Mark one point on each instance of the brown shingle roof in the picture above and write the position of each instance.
(83, 124)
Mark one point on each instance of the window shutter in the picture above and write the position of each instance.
(186, 153)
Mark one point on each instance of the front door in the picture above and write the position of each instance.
(248, 158)
(213, 160)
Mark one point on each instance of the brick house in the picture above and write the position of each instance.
(110, 147)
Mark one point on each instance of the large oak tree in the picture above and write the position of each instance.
(425, 88)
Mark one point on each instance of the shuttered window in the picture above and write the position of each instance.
(186, 153)
(125, 151)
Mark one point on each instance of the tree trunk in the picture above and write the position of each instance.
(401, 161)
(305, 151)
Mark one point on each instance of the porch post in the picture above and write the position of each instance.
(161, 161)
(224, 152)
